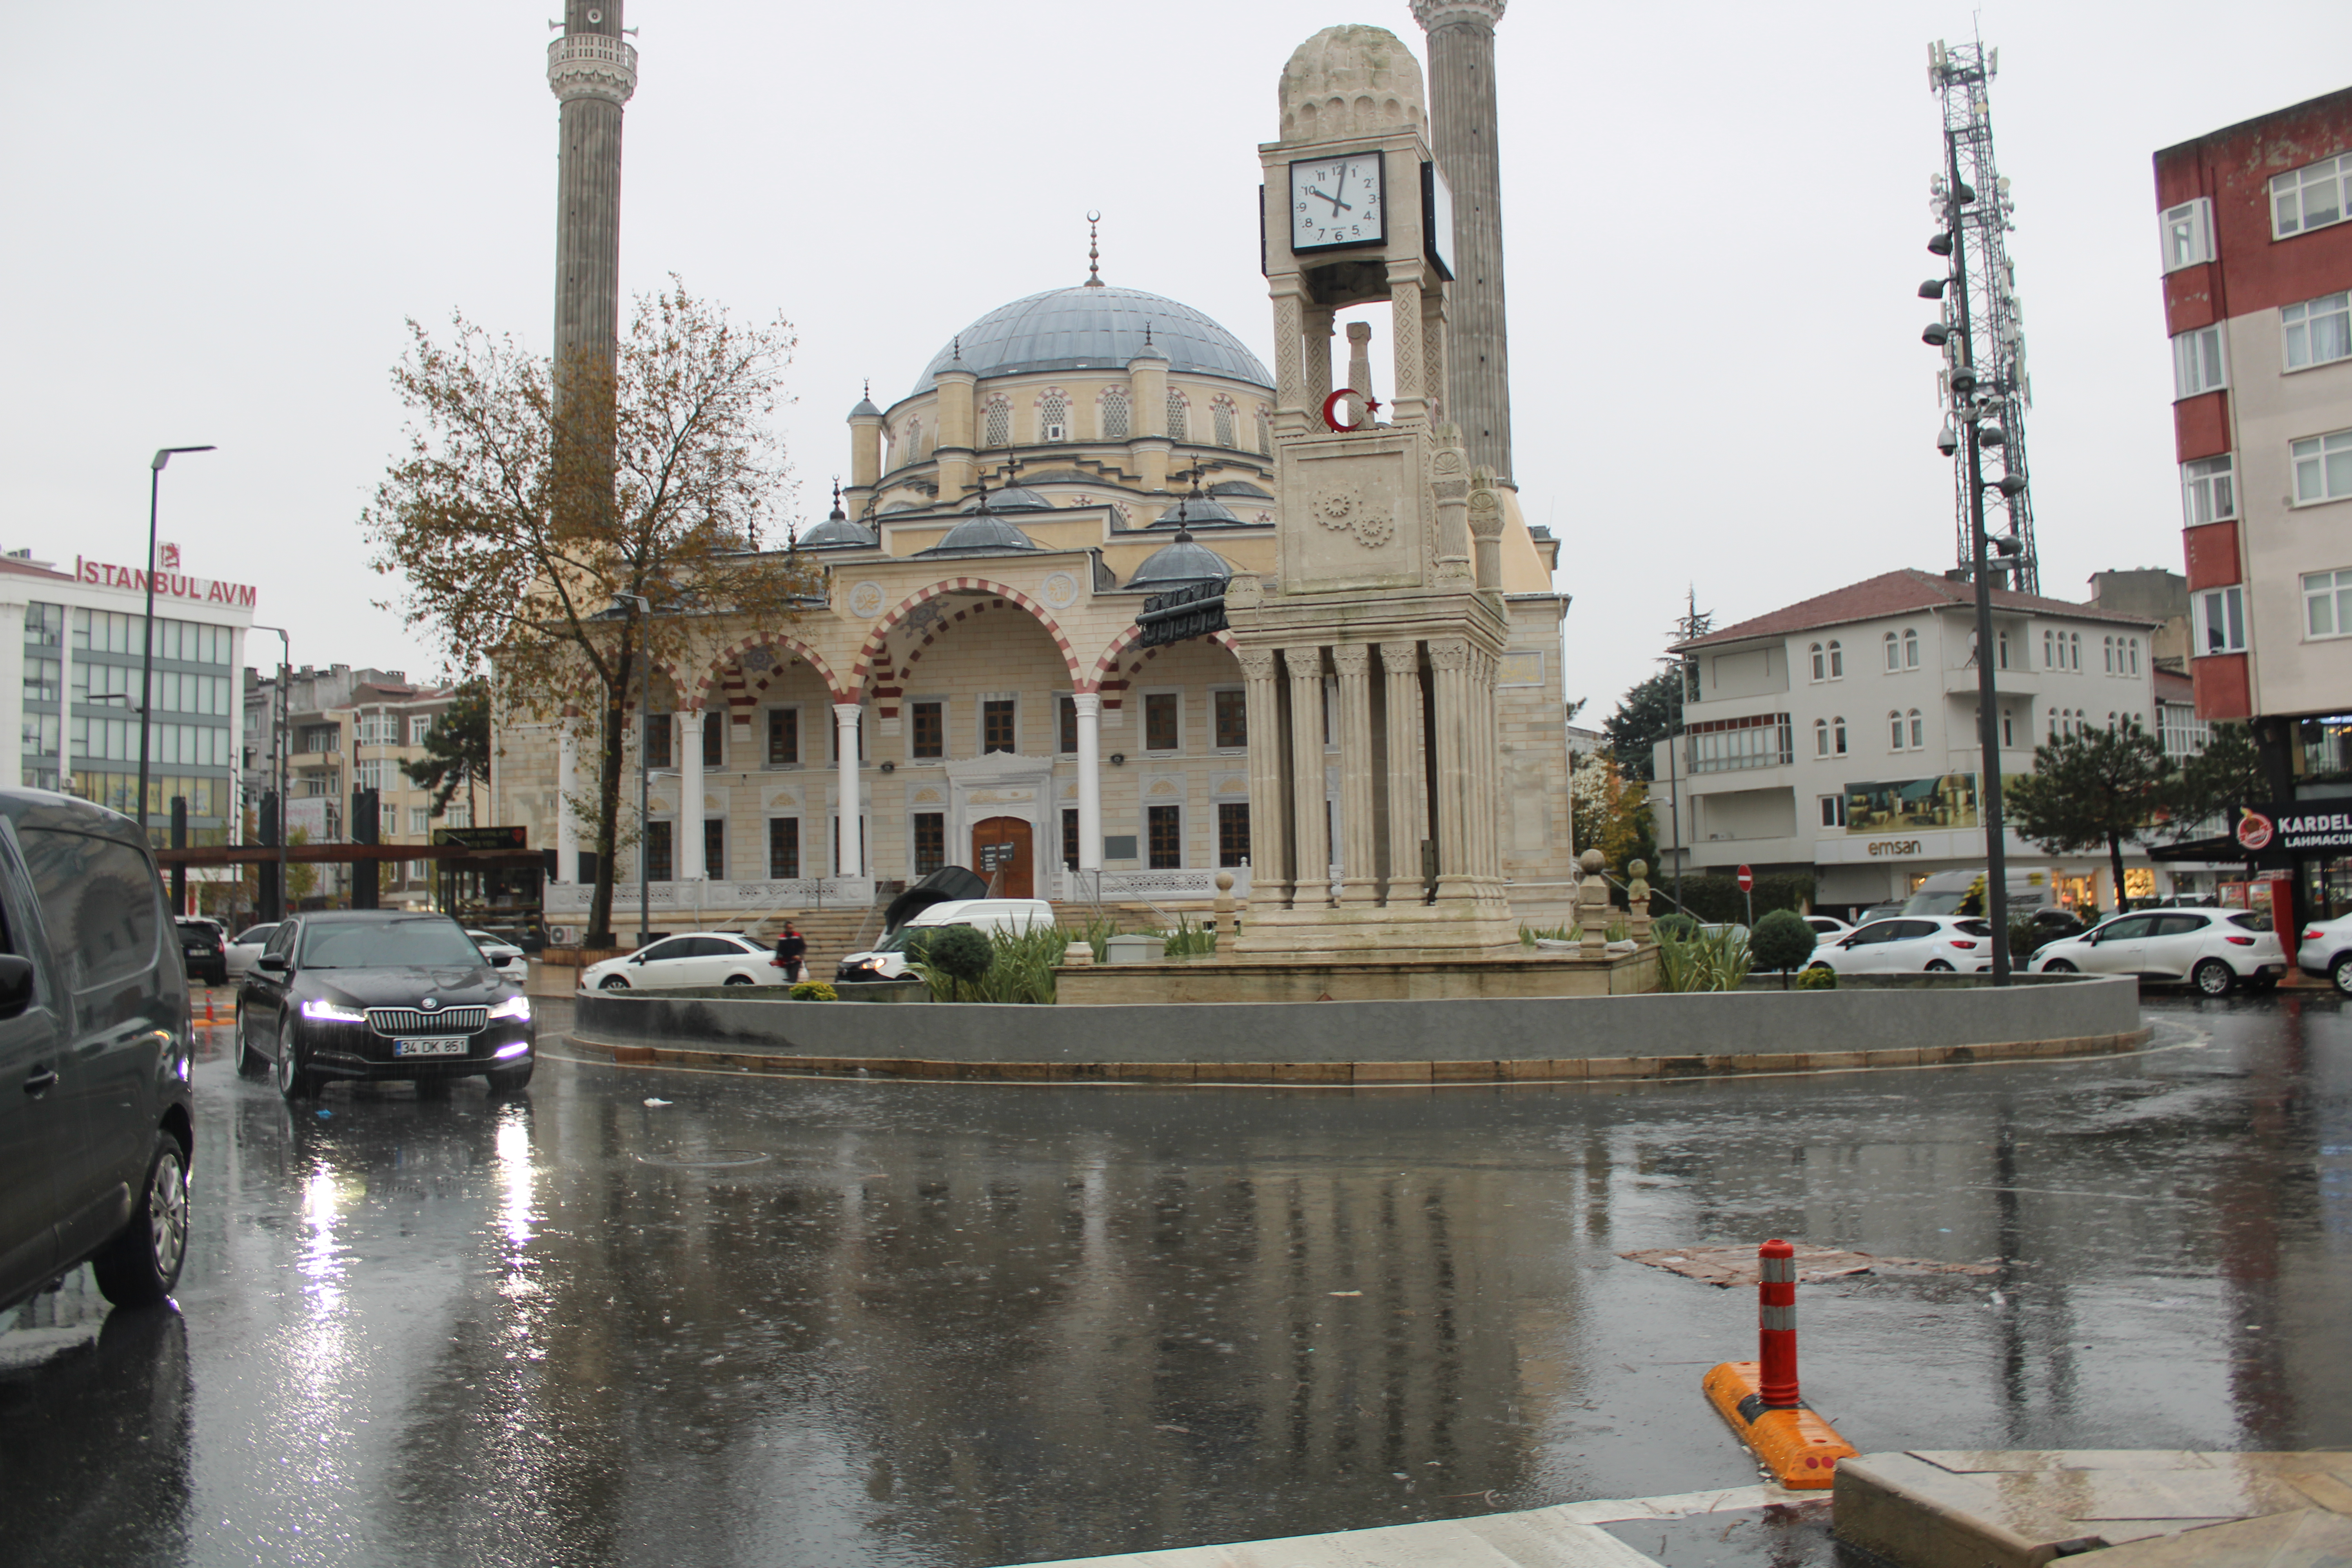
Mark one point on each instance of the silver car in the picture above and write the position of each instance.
(246, 946)
(2213, 950)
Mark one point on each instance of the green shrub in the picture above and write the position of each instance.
(1022, 966)
(1780, 941)
(814, 991)
(1718, 900)
(1529, 934)
(1702, 961)
(1188, 940)
(1682, 927)
(958, 955)
(1820, 977)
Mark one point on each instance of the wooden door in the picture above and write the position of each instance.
(1000, 851)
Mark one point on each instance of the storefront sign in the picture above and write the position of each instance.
(169, 584)
(1895, 847)
(2255, 829)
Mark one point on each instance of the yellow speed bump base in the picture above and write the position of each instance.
(1798, 1448)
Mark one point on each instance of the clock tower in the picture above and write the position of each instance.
(1379, 635)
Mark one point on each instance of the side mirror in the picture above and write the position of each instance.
(636, 957)
(506, 958)
(273, 962)
(16, 985)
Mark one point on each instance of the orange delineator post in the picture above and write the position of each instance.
(1759, 1398)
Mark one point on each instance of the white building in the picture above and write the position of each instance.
(69, 686)
(1838, 736)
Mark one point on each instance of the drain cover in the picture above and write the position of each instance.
(710, 1159)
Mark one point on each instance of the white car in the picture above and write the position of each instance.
(690, 958)
(2212, 950)
(2327, 950)
(246, 946)
(1827, 928)
(887, 959)
(497, 949)
(1910, 944)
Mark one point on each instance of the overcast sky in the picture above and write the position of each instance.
(1715, 216)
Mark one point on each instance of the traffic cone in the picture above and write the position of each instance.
(1759, 1398)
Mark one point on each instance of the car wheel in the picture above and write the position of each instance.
(2212, 977)
(294, 1080)
(1937, 966)
(250, 1063)
(141, 1265)
(2340, 971)
(2059, 966)
(510, 1081)
(738, 980)
(613, 982)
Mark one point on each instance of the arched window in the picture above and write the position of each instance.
(1918, 731)
(998, 431)
(1821, 737)
(2008, 729)
(1837, 736)
(1264, 433)
(1820, 663)
(1837, 663)
(1894, 653)
(1220, 414)
(2134, 655)
(2110, 654)
(2074, 643)
(2049, 648)
(1895, 730)
(1053, 415)
(1179, 424)
(1910, 649)
(1112, 407)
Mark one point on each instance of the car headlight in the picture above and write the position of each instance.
(327, 1012)
(512, 1007)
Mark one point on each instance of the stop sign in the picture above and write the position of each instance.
(1746, 881)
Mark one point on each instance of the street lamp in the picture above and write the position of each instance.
(147, 657)
(277, 736)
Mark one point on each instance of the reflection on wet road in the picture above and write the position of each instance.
(800, 1321)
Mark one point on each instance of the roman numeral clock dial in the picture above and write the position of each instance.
(1338, 202)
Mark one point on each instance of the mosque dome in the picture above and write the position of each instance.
(1096, 326)
(837, 532)
(1351, 81)
(981, 533)
(1012, 498)
(1175, 564)
(1195, 511)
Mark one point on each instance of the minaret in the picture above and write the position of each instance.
(1462, 134)
(593, 71)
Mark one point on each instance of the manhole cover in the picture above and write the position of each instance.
(710, 1159)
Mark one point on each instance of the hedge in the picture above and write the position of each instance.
(1715, 898)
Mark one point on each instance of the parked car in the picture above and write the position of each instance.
(1910, 944)
(203, 949)
(690, 958)
(1827, 928)
(381, 993)
(2326, 949)
(245, 947)
(887, 959)
(497, 951)
(1877, 912)
(97, 1124)
(2213, 950)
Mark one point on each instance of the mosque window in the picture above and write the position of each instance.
(998, 431)
(1179, 425)
(1113, 408)
(1264, 433)
(1222, 414)
(1233, 833)
(931, 842)
(1054, 416)
(1165, 826)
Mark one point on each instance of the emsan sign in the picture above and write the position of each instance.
(170, 584)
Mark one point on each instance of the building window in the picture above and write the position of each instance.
(42, 678)
(2008, 729)
(1233, 833)
(2309, 197)
(368, 774)
(1070, 837)
(1894, 653)
(1721, 746)
(998, 429)
(931, 842)
(1221, 414)
(657, 744)
(459, 814)
(2001, 648)
(2208, 491)
(2327, 604)
(1820, 661)
(714, 739)
(1179, 424)
(2318, 331)
(2323, 466)
(2221, 621)
(1837, 660)
(2197, 363)
(1918, 731)
(1054, 418)
(1837, 737)
(2187, 233)
(1165, 824)
(783, 847)
(656, 852)
(930, 737)
(1832, 811)
(783, 737)
(1821, 737)
(1895, 730)
(420, 819)
(1067, 726)
(2110, 654)
(1160, 732)
(996, 725)
(1232, 706)
(1264, 433)
(1910, 649)
(2131, 650)
(714, 848)
(417, 730)
(1112, 408)
(387, 822)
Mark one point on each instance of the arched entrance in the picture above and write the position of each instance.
(1001, 848)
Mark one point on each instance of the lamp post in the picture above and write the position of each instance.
(277, 724)
(147, 656)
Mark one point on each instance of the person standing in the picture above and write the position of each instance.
(791, 948)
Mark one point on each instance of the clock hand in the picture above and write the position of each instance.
(1336, 202)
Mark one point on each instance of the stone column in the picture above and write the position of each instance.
(1090, 707)
(1407, 786)
(849, 860)
(1449, 665)
(1486, 520)
(689, 794)
(1485, 805)
(567, 784)
(1269, 878)
(1359, 368)
(1312, 853)
(1360, 870)
(1314, 324)
(1289, 366)
(1462, 132)
(1409, 399)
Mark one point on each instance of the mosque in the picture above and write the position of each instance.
(973, 688)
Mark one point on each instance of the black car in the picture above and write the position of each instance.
(203, 949)
(375, 993)
(97, 1125)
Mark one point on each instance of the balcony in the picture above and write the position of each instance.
(592, 64)
(1963, 681)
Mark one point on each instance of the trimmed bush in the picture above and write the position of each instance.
(1780, 941)
(814, 991)
(1820, 978)
(957, 954)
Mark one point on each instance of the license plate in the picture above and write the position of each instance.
(448, 1046)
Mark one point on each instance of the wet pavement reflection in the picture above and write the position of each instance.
(640, 1317)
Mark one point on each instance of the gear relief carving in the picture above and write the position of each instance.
(1337, 510)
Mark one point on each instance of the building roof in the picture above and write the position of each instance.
(981, 533)
(1177, 563)
(18, 566)
(1895, 594)
(1094, 327)
(2172, 688)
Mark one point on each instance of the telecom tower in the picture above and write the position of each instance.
(1984, 383)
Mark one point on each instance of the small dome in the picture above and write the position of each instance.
(1014, 498)
(1197, 512)
(838, 533)
(1240, 488)
(983, 533)
(865, 410)
(1176, 564)
(1351, 81)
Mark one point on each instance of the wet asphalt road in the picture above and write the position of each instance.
(783, 1322)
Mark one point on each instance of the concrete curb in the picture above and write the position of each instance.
(1371, 1075)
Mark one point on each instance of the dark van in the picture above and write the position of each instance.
(97, 1123)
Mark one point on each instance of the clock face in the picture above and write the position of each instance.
(1338, 201)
